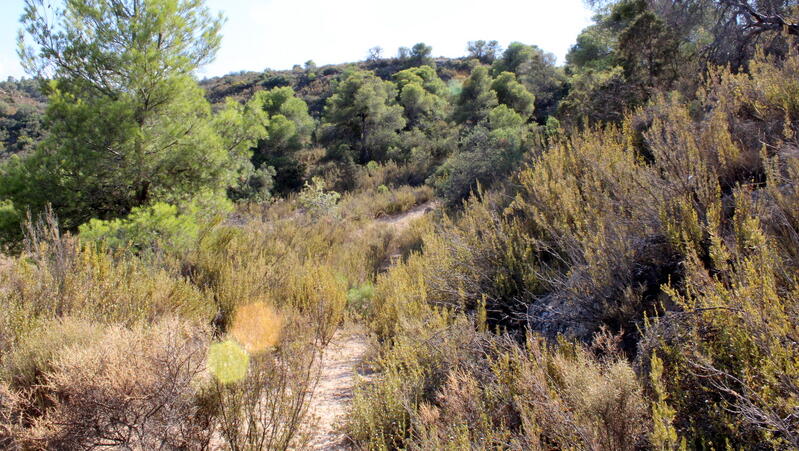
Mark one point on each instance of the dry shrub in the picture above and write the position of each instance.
(444, 385)
(411, 370)
(734, 342)
(536, 397)
(318, 294)
(482, 259)
(466, 414)
(233, 268)
(134, 388)
(280, 272)
(384, 202)
(574, 400)
(390, 174)
(613, 208)
(353, 177)
(593, 212)
(59, 293)
(267, 410)
(400, 298)
(12, 408)
(25, 364)
(479, 259)
(701, 200)
(411, 239)
(57, 276)
(728, 347)
(288, 261)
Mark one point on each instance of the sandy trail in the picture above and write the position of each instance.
(341, 360)
(401, 221)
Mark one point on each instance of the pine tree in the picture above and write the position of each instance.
(128, 124)
(362, 118)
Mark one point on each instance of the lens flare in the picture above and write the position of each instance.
(257, 327)
(228, 362)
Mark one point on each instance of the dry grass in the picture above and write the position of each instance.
(87, 358)
(133, 388)
(379, 203)
(269, 408)
(684, 213)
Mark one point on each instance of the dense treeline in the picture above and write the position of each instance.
(613, 266)
(21, 107)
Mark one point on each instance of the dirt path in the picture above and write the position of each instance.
(403, 220)
(341, 361)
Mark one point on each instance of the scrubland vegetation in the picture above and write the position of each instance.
(611, 263)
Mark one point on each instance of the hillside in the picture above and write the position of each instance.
(22, 105)
(315, 84)
(484, 253)
(21, 109)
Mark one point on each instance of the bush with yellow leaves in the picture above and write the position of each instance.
(675, 230)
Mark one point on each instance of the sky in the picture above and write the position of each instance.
(278, 34)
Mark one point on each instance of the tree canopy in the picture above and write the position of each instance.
(127, 123)
(536, 70)
(476, 98)
(362, 118)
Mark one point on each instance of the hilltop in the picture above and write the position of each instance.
(315, 84)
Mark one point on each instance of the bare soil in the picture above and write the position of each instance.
(401, 221)
(342, 364)
(341, 361)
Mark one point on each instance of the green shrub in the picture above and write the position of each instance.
(316, 201)
(10, 220)
(158, 225)
(359, 298)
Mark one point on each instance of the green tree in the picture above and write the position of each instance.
(362, 118)
(423, 95)
(128, 125)
(513, 94)
(486, 153)
(418, 103)
(484, 51)
(631, 52)
(595, 49)
(724, 32)
(428, 136)
(424, 76)
(20, 127)
(536, 70)
(422, 55)
(476, 98)
(598, 96)
(289, 127)
(647, 50)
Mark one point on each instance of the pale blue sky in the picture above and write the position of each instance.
(280, 33)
